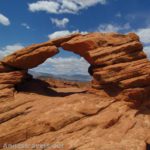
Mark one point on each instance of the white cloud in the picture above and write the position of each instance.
(61, 23)
(147, 48)
(25, 25)
(8, 49)
(48, 6)
(63, 33)
(63, 6)
(64, 66)
(60, 34)
(113, 28)
(4, 20)
(147, 51)
(144, 34)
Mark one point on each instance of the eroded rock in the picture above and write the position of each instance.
(115, 114)
(115, 58)
(30, 57)
(5, 68)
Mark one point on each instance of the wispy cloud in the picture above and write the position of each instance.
(25, 25)
(4, 20)
(61, 23)
(64, 6)
(113, 28)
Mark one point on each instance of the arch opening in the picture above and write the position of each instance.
(65, 65)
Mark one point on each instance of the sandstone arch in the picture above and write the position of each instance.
(115, 59)
(74, 120)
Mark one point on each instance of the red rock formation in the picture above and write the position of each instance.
(30, 57)
(72, 117)
(34, 55)
(5, 68)
(115, 115)
(115, 58)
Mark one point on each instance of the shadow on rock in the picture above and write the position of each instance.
(43, 88)
(112, 89)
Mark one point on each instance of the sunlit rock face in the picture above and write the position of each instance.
(111, 113)
(108, 55)
(115, 59)
(31, 56)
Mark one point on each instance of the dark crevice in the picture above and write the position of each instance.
(133, 125)
(147, 146)
(112, 122)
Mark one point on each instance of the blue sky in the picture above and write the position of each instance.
(24, 22)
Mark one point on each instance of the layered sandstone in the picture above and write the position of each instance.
(71, 117)
(113, 114)
(30, 57)
(107, 54)
(36, 54)
(110, 55)
(115, 59)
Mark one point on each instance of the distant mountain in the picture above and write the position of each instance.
(76, 77)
